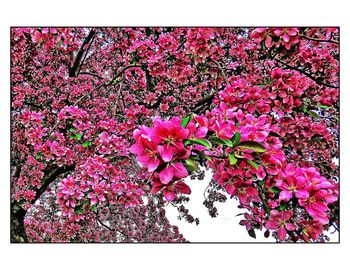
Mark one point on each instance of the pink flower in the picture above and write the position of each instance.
(170, 189)
(316, 206)
(195, 132)
(310, 229)
(147, 153)
(293, 184)
(172, 169)
(168, 132)
(279, 220)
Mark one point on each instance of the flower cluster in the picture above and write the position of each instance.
(98, 183)
(161, 148)
(276, 36)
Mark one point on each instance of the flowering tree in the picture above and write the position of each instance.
(110, 124)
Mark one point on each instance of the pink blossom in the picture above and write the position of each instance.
(293, 184)
(280, 220)
(170, 189)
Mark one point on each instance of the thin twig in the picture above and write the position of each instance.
(319, 40)
(221, 69)
(305, 73)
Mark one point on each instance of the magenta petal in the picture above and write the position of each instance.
(166, 175)
(230, 188)
(272, 225)
(157, 186)
(268, 42)
(301, 194)
(166, 152)
(290, 227)
(319, 206)
(201, 132)
(181, 133)
(286, 37)
(136, 149)
(278, 32)
(180, 170)
(281, 233)
(169, 195)
(311, 211)
(285, 195)
(153, 164)
(183, 188)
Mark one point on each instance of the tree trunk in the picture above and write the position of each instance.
(18, 234)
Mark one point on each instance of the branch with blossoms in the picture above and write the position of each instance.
(246, 163)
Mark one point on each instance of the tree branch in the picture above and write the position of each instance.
(221, 69)
(305, 73)
(319, 40)
(51, 175)
(73, 70)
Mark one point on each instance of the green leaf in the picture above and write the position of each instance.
(232, 159)
(191, 164)
(314, 114)
(257, 147)
(72, 129)
(275, 190)
(236, 139)
(86, 144)
(78, 136)
(324, 107)
(186, 142)
(217, 140)
(201, 142)
(282, 207)
(78, 210)
(255, 166)
(251, 233)
(186, 120)
(238, 155)
(202, 155)
(93, 208)
(38, 155)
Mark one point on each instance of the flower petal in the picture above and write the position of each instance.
(153, 164)
(157, 186)
(285, 195)
(166, 152)
(166, 175)
(183, 188)
(281, 233)
(272, 225)
(180, 170)
(301, 194)
(169, 194)
(201, 132)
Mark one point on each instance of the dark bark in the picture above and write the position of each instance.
(18, 234)
(73, 70)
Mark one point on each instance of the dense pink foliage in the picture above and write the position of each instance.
(109, 123)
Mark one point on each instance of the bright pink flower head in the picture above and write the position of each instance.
(310, 229)
(147, 153)
(170, 189)
(172, 170)
(168, 132)
(316, 206)
(280, 221)
(293, 184)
